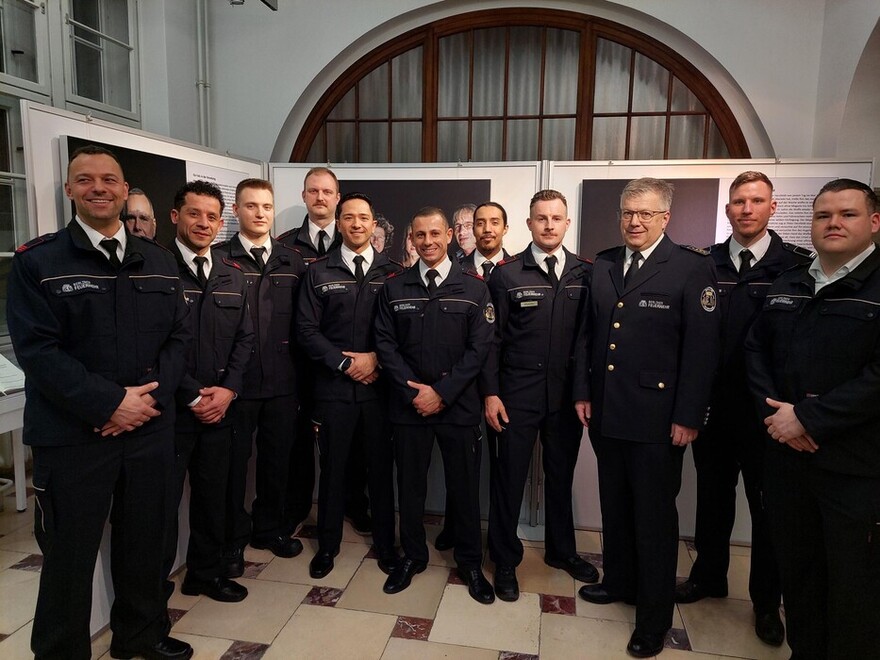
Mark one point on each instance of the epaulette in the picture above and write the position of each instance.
(231, 263)
(221, 244)
(583, 259)
(508, 260)
(798, 250)
(39, 240)
(287, 233)
(616, 248)
(158, 245)
(396, 263)
(400, 272)
(285, 246)
(316, 259)
(694, 248)
(476, 276)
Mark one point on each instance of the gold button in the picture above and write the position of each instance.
(619, 304)
(610, 367)
(613, 346)
(616, 324)
(662, 386)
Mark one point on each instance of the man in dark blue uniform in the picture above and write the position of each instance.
(337, 310)
(646, 377)
(733, 441)
(490, 227)
(268, 404)
(433, 331)
(540, 296)
(316, 238)
(813, 358)
(98, 323)
(216, 292)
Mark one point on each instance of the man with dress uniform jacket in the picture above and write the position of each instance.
(733, 441)
(98, 323)
(539, 296)
(335, 318)
(268, 404)
(433, 332)
(216, 292)
(813, 358)
(490, 227)
(652, 343)
(315, 238)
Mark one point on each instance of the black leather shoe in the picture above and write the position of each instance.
(401, 576)
(387, 560)
(321, 564)
(643, 645)
(478, 586)
(281, 546)
(576, 567)
(233, 563)
(506, 585)
(220, 588)
(362, 523)
(769, 628)
(690, 592)
(445, 540)
(167, 649)
(598, 595)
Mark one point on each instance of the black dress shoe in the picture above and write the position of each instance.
(321, 564)
(576, 567)
(599, 595)
(281, 546)
(168, 649)
(388, 559)
(506, 585)
(219, 588)
(233, 563)
(644, 645)
(690, 592)
(445, 540)
(769, 628)
(362, 523)
(401, 576)
(478, 586)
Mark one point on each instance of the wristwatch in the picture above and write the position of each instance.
(345, 364)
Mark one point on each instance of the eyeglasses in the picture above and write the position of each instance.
(644, 216)
(137, 217)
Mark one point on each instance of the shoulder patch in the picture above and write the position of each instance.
(39, 240)
(231, 263)
(694, 248)
(798, 250)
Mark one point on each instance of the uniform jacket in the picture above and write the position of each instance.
(222, 333)
(821, 352)
(299, 239)
(82, 332)
(440, 340)
(531, 363)
(655, 343)
(739, 302)
(335, 315)
(468, 262)
(271, 297)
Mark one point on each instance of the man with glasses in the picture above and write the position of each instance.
(642, 387)
(463, 224)
(138, 214)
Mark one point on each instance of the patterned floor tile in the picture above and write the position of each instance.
(326, 596)
(410, 627)
(553, 604)
(30, 563)
(245, 651)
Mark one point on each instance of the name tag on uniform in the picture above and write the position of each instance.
(527, 297)
(529, 303)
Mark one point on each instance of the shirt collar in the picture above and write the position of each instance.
(758, 249)
(823, 280)
(314, 229)
(95, 237)
(479, 259)
(541, 256)
(443, 268)
(646, 252)
(247, 244)
(348, 256)
(188, 256)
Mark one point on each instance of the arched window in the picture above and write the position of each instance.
(520, 84)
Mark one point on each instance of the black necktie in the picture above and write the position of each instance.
(633, 267)
(550, 262)
(487, 269)
(321, 249)
(111, 245)
(432, 275)
(258, 253)
(200, 270)
(359, 269)
(745, 262)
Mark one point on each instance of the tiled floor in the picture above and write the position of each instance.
(346, 615)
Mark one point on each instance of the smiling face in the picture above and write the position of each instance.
(198, 221)
(749, 211)
(255, 210)
(842, 227)
(548, 221)
(639, 234)
(464, 230)
(356, 224)
(98, 190)
(430, 235)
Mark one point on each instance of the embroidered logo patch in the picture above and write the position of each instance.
(708, 299)
(489, 313)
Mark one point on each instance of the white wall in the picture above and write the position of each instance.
(792, 61)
